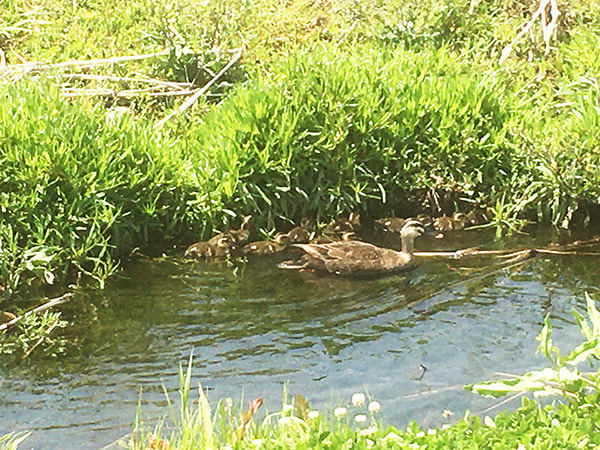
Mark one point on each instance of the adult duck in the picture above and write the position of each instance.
(359, 258)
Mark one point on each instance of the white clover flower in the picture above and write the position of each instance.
(555, 422)
(287, 409)
(313, 414)
(369, 443)
(360, 418)
(487, 420)
(420, 434)
(374, 407)
(358, 399)
(368, 431)
(340, 412)
(445, 426)
(431, 431)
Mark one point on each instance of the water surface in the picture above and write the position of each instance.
(253, 327)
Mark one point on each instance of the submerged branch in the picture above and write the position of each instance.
(38, 309)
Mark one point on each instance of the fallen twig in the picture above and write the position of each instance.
(91, 77)
(38, 309)
(73, 92)
(38, 66)
(199, 92)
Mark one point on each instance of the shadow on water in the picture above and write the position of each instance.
(254, 327)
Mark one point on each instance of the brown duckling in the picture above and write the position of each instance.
(232, 236)
(357, 257)
(392, 224)
(219, 247)
(478, 216)
(199, 250)
(460, 220)
(344, 224)
(425, 219)
(301, 233)
(443, 223)
(268, 247)
(326, 239)
(241, 236)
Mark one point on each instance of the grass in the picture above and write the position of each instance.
(336, 106)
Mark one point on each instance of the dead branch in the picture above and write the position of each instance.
(38, 309)
(154, 81)
(199, 92)
(38, 66)
(547, 27)
(127, 93)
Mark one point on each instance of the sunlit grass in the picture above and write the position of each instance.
(336, 106)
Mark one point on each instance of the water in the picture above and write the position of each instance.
(253, 328)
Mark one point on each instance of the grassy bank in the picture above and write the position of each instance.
(335, 107)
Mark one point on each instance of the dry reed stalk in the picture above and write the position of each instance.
(547, 27)
(199, 92)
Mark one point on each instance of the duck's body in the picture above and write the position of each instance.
(349, 257)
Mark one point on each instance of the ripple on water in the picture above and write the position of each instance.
(253, 327)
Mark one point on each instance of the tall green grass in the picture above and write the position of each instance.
(82, 188)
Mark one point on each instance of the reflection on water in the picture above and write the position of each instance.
(254, 327)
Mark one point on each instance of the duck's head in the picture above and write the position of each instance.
(412, 229)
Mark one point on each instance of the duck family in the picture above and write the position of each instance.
(358, 258)
(336, 249)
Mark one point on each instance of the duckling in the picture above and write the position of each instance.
(268, 247)
(425, 219)
(478, 216)
(241, 236)
(199, 250)
(357, 257)
(392, 224)
(301, 233)
(343, 224)
(219, 247)
(460, 220)
(443, 223)
(224, 247)
(326, 239)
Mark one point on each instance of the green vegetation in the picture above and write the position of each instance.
(560, 425)
(382, 107)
